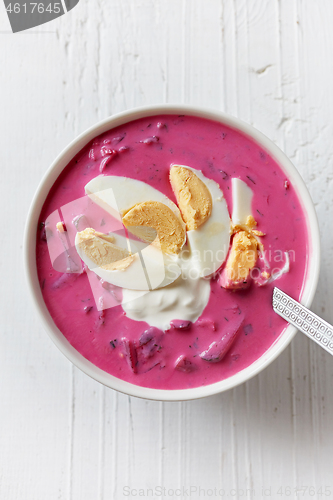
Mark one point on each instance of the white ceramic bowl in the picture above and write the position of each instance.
(30, 259)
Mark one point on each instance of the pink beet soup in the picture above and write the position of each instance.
(144, 149)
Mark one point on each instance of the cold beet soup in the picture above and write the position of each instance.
(158, 248)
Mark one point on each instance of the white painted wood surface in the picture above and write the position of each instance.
(64, 436)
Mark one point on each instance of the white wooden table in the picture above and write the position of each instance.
(64, 436)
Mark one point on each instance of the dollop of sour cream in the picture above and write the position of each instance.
(184, 299)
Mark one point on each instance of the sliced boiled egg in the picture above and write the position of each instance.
(209, 242)
(145, 268)
(242, 196)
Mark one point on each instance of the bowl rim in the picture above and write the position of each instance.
(309, 286)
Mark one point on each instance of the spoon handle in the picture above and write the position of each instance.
(303, 319)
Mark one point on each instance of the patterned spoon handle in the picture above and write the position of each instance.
(303, 319)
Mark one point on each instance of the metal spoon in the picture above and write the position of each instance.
(303, 319)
